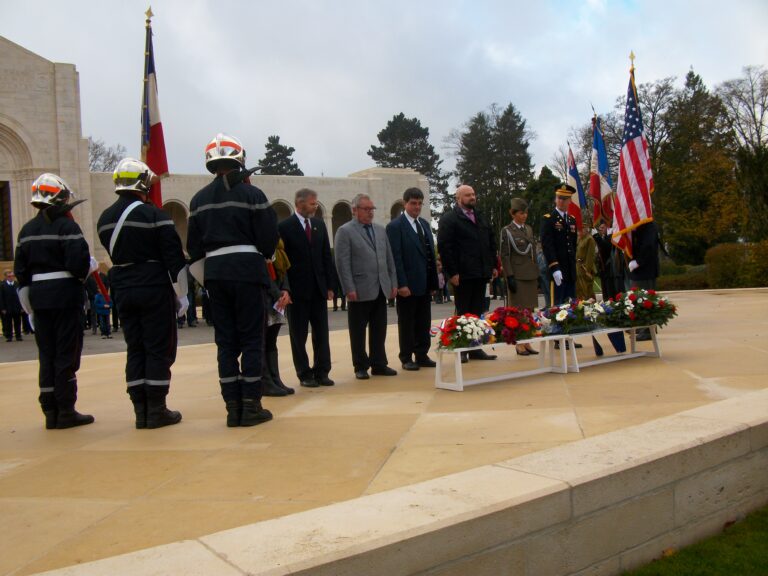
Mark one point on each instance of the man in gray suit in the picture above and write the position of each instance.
(368, 276)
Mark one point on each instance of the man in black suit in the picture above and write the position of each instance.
(309, 277)
(414, 252)
(467, 247)
(10, 308)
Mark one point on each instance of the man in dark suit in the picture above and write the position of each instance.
(368, 277)
(309, 277)
(467, 247)
(10, 308)
(413, 250)
(644, 266)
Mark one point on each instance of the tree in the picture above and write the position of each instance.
(695, 175)
(540, 195)
(745, 101)
(103, 158)
(493, 157)
(278, 159)
(404, 143)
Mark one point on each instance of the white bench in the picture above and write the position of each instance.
(561, 360)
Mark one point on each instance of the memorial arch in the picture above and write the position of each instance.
(179, 213)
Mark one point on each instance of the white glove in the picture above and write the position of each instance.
(182, 304)
(26, 305)
(609, 231)
(181, 286)
(593, 231)
(557, 276)
(94, 265)
(633, 265)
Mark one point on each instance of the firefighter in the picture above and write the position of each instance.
(51, 263)
(232, 229)
(149, 279)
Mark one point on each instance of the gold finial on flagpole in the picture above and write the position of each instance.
(632, 59)
(149, 14)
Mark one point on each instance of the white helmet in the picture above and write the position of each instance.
(133, 175)
(50, 190)
(224, 152)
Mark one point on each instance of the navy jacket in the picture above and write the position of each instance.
(311, 272)
(414, 262)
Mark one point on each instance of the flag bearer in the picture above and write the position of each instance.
(232, 229)
(149, 278)
(51, 263)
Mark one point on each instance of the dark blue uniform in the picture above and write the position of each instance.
(235, 229)
(558, 243)
(52, 258)
(146, 258)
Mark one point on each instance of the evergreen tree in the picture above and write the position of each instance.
(278, 159)
(695, 176)
(540, 195)
(493, 158)
(404, 143)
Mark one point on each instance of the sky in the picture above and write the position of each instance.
(327, 75)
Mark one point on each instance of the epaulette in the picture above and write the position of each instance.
(547, 215)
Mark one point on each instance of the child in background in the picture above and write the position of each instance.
(103, 307)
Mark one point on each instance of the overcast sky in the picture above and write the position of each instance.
(327, 75)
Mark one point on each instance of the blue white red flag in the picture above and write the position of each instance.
(632, 204)
(579, 200)
(152, 141)
(600, 185)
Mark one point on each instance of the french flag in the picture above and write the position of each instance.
(152, 141)
(578, 201)
(600, 185)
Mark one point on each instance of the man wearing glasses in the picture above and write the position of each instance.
(368, 276)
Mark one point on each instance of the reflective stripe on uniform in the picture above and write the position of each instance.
(50, 237)
(133, 383)
(51, 276)
(230, 204)
(251, 378)
(133, 263)
(157, 382)
(233, 250)
(46, 389)
(131, 224)
(229, 379)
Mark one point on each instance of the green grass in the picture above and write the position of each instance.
(741, 550)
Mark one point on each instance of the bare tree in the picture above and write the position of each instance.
(746, 104)
(103, 158)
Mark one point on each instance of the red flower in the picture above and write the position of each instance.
(633, 297)
(647, 304)
(619, 296)
(662, 303)
(632, 315)
(510, 322)
(445, 339)
(652, 292)
(526, 327)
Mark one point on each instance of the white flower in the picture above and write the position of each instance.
(562, 315)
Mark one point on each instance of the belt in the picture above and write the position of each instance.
(233, 250)
(133, 263)
(51, 276)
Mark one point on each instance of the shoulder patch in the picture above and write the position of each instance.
(547, 215)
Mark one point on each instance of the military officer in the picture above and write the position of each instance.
(558, 242)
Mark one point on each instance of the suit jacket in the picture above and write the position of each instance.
(518, 252)
(466, 248)
(645, 250)
(9, 298)
(558, 242)
(414, 261)
(363, 269)
(311, 272)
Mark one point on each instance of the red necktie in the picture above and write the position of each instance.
(307, 231)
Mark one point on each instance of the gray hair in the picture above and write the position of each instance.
(356, 200)
(303, 194)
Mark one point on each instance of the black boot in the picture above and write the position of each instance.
(268, 386)
(253, 413)
(72, 418)
(274, 371)
(139, 399)
(598, 348)
(158, 414)
(234, 412)
(50, 419)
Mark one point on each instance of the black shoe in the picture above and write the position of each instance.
(577, 345)
(19, 339)
(50, 419)
(310, 383)
(410, 366)
(254, 413)
(598, 348)
(361, 374)
(324, 381)
(269, 388)
(72, 419)
(426, 362)
(645, 336)
(158, 415)
(383, 371)
(234, 412)
(464, 358)
(481, 355)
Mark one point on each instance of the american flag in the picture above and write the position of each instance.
(632, 204)
(600, 185)
(152, 141)
(579, 201)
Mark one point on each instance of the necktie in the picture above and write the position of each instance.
(419, 231)
(471, 215)
(307, 231)
(369, 231)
